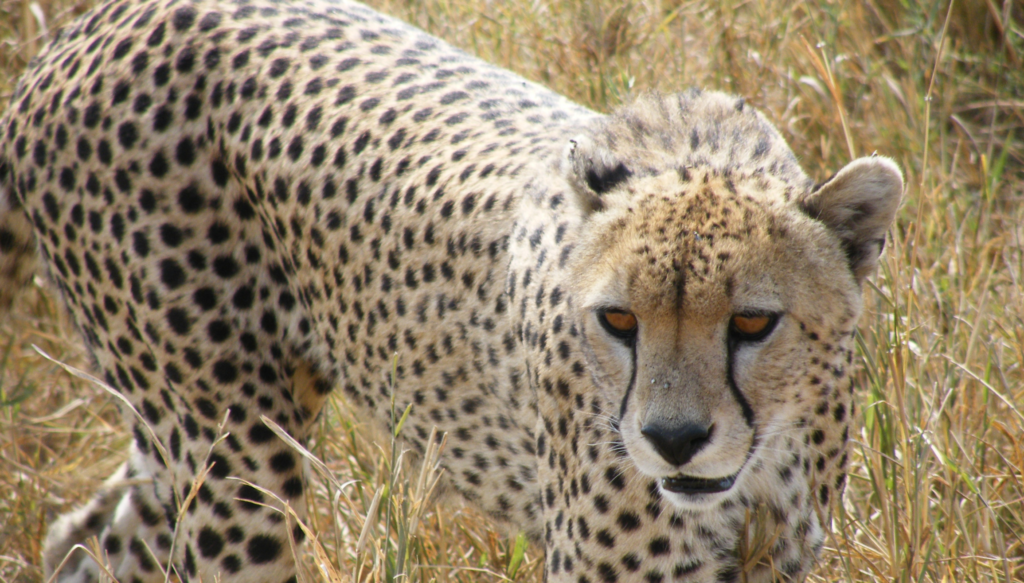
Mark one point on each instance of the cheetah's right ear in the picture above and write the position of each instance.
(858, 204)
(591, 171)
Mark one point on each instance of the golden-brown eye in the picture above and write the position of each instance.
(618, 323)
(752, 327)
(750, 324)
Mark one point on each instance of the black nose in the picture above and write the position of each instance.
(677, 443)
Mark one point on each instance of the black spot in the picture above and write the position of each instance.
(158, 166)
(142, 103)
(248, 497)
(50, 202)
(218, 233)
(191, 200)
(185, 153)
(171, 273)
(121, 93)
(210, 21)
(243, 298)
(139, 62)
(361, 142)
(162, 75)
(244, 210)
(263, 549)
(628, 521)
(232, 564)
(345, 95)
(194, 107)
(282, 462)
(122, 49)
(218, 330)
(178, 320)
(607, 573)
(605, 179)
(292, 487)
(210, 543)
(683, 569)
(219, 172)
(347, 64)
(162, 118)
(170, 235)
(295, 148)
(112, 545)
(103, 151)
(840, 413)
(127, 135)
(225, 266)
(183, 18)
(205, 298)
(659, 546)
(260, 433)
(278, 67)
(91, 115)
(186, 60)
(225, 372)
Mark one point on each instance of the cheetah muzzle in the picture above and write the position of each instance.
(636, 329)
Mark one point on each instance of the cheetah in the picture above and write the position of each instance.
(635, 328)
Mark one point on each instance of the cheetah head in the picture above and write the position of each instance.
(717, 289)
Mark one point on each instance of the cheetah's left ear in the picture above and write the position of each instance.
(591, 171)
(858, 204)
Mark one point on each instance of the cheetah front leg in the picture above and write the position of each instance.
(235, 528)
(230, 528)
(126, 519)
(195, 329)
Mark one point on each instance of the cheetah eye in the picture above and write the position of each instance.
(618, 323)
(752, 327)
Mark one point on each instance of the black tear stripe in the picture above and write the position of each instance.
(632, 383)
(748, 411)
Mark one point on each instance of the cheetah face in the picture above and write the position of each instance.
(687, 324)
(696, 294)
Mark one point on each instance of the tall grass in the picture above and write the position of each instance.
(936, 491)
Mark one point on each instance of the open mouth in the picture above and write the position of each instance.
(689, 485)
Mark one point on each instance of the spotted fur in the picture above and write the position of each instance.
(249, 204)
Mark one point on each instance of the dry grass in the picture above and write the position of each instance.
(936, 491)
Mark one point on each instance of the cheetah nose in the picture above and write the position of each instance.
(677, 443)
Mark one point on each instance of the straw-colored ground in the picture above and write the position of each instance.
(937, 492)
